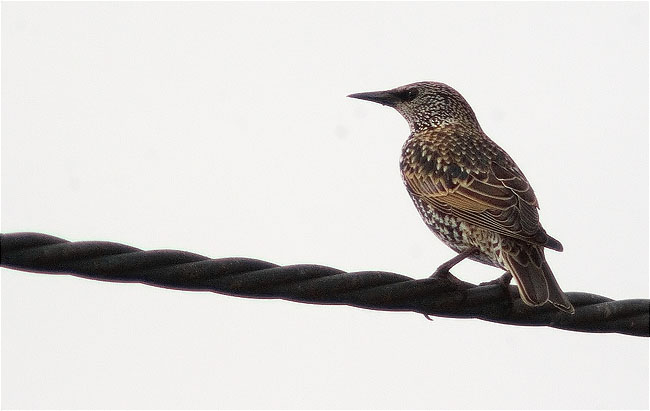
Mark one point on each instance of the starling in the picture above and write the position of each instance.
(469, 191)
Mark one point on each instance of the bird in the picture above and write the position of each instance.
(470, 192)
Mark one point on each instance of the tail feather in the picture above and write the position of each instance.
(555, 294)
(536, 281)
(533, 288)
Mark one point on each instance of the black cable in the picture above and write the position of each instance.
(315, 284)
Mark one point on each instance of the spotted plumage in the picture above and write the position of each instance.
(468, 190)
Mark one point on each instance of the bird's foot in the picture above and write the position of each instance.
(504, 283)
(442, 272)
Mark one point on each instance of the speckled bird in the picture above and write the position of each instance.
(469, 191)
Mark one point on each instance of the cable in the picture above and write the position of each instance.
(315, 284)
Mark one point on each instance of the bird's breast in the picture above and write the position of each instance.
(460, 235)
(446, 152)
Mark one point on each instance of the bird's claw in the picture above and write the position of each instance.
(504, 283)
(442, 273)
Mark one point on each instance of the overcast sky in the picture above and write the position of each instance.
(223, 129)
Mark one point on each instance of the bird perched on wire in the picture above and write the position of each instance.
(469, 191)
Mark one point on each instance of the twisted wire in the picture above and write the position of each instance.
(315, 284)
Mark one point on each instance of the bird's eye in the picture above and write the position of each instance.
(408, 94)
(411, 94)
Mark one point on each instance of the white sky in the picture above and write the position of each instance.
(223, 129)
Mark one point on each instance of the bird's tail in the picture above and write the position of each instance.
(536, 281)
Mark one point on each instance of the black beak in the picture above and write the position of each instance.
(386, 98)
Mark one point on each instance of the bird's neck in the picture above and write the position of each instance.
(421, 125)
(422, 121)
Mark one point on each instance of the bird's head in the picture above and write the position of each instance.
(425, 105)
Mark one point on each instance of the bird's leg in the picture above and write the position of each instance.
(443, 270)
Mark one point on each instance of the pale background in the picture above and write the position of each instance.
(223, 129)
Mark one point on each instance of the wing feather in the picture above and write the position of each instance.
(500, 199)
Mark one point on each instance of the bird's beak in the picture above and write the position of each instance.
(386, 98)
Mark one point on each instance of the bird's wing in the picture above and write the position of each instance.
(499, 199)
